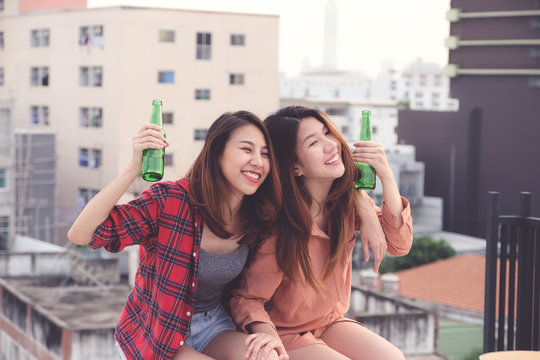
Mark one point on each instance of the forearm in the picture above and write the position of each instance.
(392, 197)
(260, 327)
(99, 207)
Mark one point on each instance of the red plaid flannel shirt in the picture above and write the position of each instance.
(167, 225)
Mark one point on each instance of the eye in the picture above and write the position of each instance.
(247, 149)
(265, 154)
(313, 143)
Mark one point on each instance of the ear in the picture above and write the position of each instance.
(298, 170)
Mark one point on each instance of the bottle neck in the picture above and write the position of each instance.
(365, 129)
(155, 118)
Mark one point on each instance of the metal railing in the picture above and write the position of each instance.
(512, 282)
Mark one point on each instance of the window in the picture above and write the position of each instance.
(89, 158)
(84, 197)
(3, 178)
(236, 79)
(204, 46)
(166, 36)
(39, 115)
(534, 82)
(238, 40)
(168, 160)
(39, 76)
(423, 80)
(435, 95)
(393, 85)
(90, 117)
(1, 39)
(1, 76)
(374, 130)
(437, 80)
(200, 134)
(535, 53)
(167, 118)
(202, 94)
(4, 228)
(39, 37)
(419, 94)
(90, 76)
(91, 35)
(1, 5)
(535, 23)
(166, 77)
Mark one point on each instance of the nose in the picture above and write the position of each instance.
(256, 159)
(330, 145)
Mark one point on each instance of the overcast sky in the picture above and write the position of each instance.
(370, 32)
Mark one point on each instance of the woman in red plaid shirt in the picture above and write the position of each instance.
(195, 235)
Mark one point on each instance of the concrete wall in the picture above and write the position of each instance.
(58, 264)
(411, 328)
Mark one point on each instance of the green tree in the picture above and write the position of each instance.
(423, 251)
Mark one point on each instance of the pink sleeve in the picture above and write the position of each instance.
(398, 239)
(257, 287)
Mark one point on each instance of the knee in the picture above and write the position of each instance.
(395, 354)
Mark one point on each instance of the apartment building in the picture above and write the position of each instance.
(6, 195)
(489, 144)
(89, 76)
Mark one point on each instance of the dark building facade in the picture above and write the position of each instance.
(492, 143)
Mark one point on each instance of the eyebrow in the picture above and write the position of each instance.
(251, 143)
(324, 128)
(307, 137)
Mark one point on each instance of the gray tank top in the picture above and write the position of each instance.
(216, 271)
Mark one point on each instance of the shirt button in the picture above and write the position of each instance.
(188, 313)
(194, 254)
(181, 343)
(195, 224)
(192, 284)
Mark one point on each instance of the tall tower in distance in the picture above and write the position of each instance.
(330, 36)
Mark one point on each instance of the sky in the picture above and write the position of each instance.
(371, 33)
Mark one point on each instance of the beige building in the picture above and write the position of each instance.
(89, 76)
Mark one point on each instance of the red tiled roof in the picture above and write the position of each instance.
(457, 282)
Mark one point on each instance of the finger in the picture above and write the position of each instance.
(365, 249)
(255, 348)
(249, 339)
(266, 350)
(149, 145)
(376, 265)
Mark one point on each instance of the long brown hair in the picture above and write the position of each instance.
(209, 188)
(294, 219)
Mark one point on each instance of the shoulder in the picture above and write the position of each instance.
(171, 189)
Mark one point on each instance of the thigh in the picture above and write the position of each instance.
(227, 345)
(358, 343)
(230, 345)
(315, 352)
(187, 353)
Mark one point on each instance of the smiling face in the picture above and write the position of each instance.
(318, 151)
(245, 161)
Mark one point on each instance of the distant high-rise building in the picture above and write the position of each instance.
(490, 144)
(89, 75)
(330, 36)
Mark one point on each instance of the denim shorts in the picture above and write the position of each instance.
(205, 326)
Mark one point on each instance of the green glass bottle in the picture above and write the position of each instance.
(366, 177)
(153, 160)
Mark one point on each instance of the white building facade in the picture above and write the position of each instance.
(89, 76)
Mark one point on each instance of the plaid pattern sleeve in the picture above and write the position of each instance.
(157, 314)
